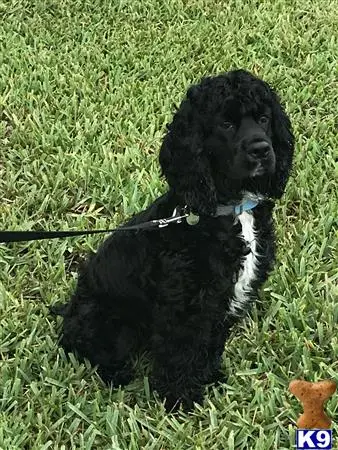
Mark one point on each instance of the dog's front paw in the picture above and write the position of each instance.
(114, 377)
(172, 403)
(217, 378)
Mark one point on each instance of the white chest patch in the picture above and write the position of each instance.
(241, 299)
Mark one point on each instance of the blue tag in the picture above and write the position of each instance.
(246, 206)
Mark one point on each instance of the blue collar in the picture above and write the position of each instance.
(227, 210)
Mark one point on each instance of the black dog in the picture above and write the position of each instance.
(177, 291)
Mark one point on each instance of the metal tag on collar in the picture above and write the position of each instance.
(192, 219)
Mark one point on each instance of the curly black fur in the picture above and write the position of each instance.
(172, 290)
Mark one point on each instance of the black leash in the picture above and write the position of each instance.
(20, 236)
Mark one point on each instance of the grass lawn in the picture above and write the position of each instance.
(86, 88)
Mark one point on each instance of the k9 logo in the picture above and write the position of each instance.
(313, 439)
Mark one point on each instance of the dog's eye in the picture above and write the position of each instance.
(228, 125)
(263, 120)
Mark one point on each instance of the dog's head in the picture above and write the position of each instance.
(230, 135)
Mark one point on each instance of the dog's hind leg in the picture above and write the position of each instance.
(106, 340)
(113, 355)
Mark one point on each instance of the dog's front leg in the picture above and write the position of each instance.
(177, 381)
(183, 361)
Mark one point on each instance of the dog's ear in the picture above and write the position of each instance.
(183, 161)
(283, 143)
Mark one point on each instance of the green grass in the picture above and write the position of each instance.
(86, 87)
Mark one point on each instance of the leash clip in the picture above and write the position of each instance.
(177, 217)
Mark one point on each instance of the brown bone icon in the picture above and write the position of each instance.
(313, 396)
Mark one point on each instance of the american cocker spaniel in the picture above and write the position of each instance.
(177, 291)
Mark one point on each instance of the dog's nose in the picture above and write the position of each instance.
(259, 150)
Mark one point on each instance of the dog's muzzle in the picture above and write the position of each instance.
(259, 150)
(261, 157)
